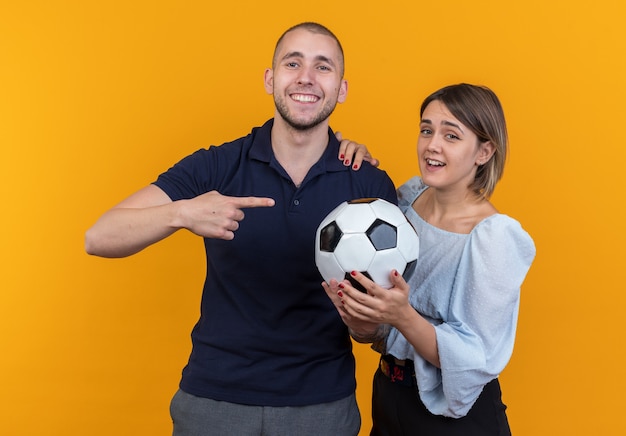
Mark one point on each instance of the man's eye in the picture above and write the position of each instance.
(292, 64)
(425, 131)
(324, 67)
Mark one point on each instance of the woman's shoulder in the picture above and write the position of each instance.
(499, 221)
(504, 231)
(409, 191)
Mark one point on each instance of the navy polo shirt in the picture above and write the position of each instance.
(268, 334)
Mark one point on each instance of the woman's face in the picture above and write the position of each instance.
(448, 151)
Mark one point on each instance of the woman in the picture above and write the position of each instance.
(446, 335)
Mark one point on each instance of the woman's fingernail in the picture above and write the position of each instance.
(341, 156)
(340, 294)
(353, 273)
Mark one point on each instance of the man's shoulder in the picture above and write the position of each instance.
(259, 137)
(257, 133)
(256, 136)
(368, 170)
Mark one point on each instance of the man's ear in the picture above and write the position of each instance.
(269, 81)
(343, 91)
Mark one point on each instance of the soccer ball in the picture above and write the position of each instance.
(369, 235)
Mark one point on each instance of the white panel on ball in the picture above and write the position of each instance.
(350, 244)
(389, 212)
(384, 262)
(355, 218)
(408, 243)
(328, 266)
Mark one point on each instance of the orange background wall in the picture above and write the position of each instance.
(97, 98)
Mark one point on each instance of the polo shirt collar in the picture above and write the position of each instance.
(261, 149)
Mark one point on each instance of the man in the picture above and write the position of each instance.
(270, 353)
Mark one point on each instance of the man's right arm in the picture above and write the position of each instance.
(149, 215)
(140, 220)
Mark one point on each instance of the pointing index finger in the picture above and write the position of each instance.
(245, 202)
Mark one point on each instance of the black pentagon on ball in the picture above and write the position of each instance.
(382, 234)
(329, 237)
(355, 284)
(408, 270)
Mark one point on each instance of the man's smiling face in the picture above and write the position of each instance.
(306, 80)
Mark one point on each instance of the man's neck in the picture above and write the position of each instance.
(298, 150)
(293, 143)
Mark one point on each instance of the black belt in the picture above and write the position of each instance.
(400, 372)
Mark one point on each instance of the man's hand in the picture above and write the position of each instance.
(213, 215)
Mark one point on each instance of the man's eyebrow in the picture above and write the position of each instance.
(297, 54)
(325, 59)
(292, 54)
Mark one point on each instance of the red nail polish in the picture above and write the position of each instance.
(353, 273)
(341, 285)
(395, 273)
(346, 162)
(356, 167)
(340, 294)
(341, 156)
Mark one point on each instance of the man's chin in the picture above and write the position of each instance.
(304, 123)
(303, 127)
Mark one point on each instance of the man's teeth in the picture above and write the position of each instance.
(434, 162)
(304, 98)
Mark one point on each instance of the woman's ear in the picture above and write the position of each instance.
(485, 152)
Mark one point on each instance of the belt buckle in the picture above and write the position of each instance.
(396, 373)
(384, 367)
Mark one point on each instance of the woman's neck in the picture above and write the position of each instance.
(457, 212)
